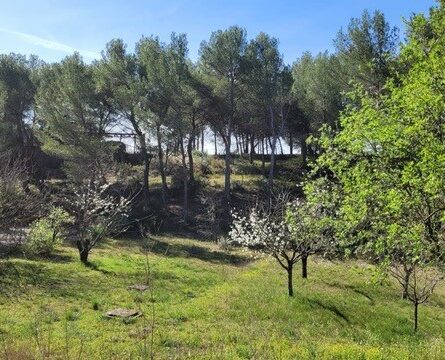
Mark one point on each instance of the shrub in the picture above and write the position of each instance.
(46, 233)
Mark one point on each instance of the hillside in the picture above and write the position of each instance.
(208, 304)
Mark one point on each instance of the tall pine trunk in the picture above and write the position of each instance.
(161, 164)
(303, 147)
(190, 146)
(227, 170)
(185, 177)
(273, 146)
(146, 157)
(252, 147)
(291, 144)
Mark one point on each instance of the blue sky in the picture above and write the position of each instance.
(54, 28)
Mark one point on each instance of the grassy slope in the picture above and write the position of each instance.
(209, 305)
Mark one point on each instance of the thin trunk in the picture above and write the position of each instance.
(273, 147)
(161, 164)
(291, 144)
(190, 146)
(237, 144)
(290, 285)
(252, 147)
(185, 179)
(202, 139)
(263, 163)
(216, 147)
(146, 157)
(191, 163)
(281, 146)
(416, 315)
(229, 141)
(227, 171)
(304, 267)
(406, 284)
(303, 147)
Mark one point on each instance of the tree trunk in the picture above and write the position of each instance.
(202, 139)
(185, 179)
(83, 252)
(273, 148)
(216, 146)
(227, 171)
(252, 147)
(190, 146)
(416, 315)
(146, 157)
(303, 147)
(281, 146)
(161, 164)
(290, 285)
(304, 267)
(263, 162)
(191, 163)
(291, 144)
(406, 284)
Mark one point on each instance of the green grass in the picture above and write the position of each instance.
(209, 304)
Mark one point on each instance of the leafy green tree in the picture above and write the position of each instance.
(317, 93)
(387, 167)
(117, 76)
(270, 84)
(73, 118)
(366, 51)
(17, 91)
(222, 58)
(158, 80)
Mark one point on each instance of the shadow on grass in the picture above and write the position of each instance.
(360, 292)
(16, 252)
(15, 277)
(193, 251)
(330, 307)
(95, 267)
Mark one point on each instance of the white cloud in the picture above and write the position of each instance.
(51, 44)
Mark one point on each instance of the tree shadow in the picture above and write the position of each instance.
(15, 277)
(360, 292)
(193, 251)
(330, 307)
(95, 267)
(16, 252)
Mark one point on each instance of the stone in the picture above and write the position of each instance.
(139, 287)
(123, 313)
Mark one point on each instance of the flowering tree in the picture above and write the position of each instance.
(262, 232)
(310, 230)
(96, 215)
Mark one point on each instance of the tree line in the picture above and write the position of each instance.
(240, 89)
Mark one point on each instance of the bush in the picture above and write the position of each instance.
(208, 164)
(46, 233)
